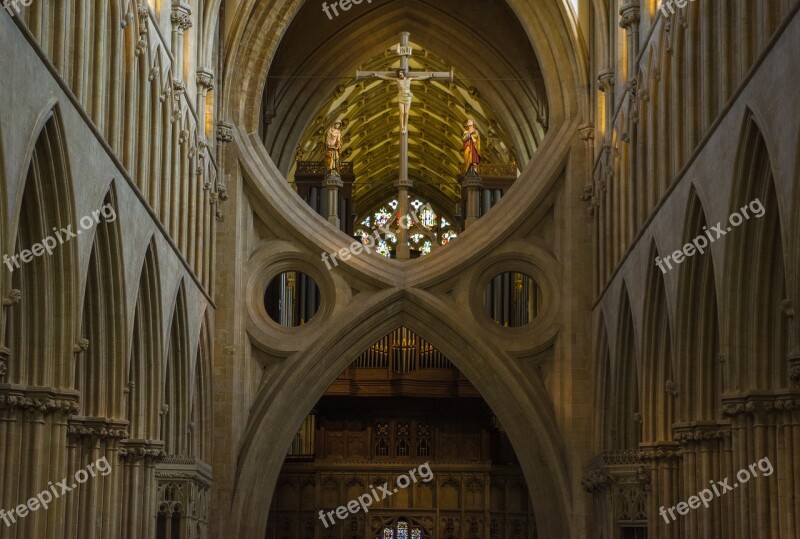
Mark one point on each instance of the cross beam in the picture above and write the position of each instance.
(403, 77)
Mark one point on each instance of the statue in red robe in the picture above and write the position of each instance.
(472, 147)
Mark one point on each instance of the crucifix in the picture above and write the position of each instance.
(403, 77)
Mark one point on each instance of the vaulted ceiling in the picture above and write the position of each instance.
(497, 82)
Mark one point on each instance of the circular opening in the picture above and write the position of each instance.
(292, 299)
(512, 299)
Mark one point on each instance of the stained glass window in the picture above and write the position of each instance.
(382, 217)
(401, 530)
(447, 236)
(426, 227)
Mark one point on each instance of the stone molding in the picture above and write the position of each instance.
(184, 468)
(756, 403)
(688, 434)
(150, 451)
(97, 427)
(43, 400)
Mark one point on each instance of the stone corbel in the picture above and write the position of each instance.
(80, 347)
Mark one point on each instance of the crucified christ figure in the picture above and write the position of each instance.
(404, 94)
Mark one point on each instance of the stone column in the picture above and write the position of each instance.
(205, 84)
(403, 186)
(332, 183)
(181, 19)
(605, 82)
(471, 189)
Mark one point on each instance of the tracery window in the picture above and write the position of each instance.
(401, 529)
(429, 227)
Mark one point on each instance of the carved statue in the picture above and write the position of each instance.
(404, 94)
(333, 147)
(472, 147)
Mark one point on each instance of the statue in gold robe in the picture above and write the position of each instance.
(472, 147)
(333, 147)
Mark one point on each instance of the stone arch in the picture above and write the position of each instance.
(146, 352)
(200, 417)
(298, 383)
(555, 42)
(47, 282)
(177, 377)
(697, 326)
(604, 389)
(755, 274)
(627, 407)
(657, 358)
(100, 369)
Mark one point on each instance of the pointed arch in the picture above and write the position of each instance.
(40, 330)
(697, 326)
(176, 380)
(604, 390)
(658, 399)
(507, 391)
(100, 369)
(146, 352)
(755, 272)
(627, 428)
(200, 417)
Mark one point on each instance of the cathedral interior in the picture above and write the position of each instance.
(400, 269)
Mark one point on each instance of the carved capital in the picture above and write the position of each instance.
(149, 451)
(686, 435)
(181, 18)
(205, 79)
(224, 133)
(43, 400)
(97, 427)
(605, 80)
(629, 16)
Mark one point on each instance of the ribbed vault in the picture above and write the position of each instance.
(368, 110)
(498, 82)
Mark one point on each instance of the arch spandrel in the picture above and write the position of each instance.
(297, 384)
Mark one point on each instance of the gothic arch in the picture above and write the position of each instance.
(697, 327)
(627, 408)
(144, 388)
(755, 273)
(100, 369)
(200, 417)
(658, 385)
(299, 380)
(253, 38)
(177, 378)
(48, 283)
(604, 388)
